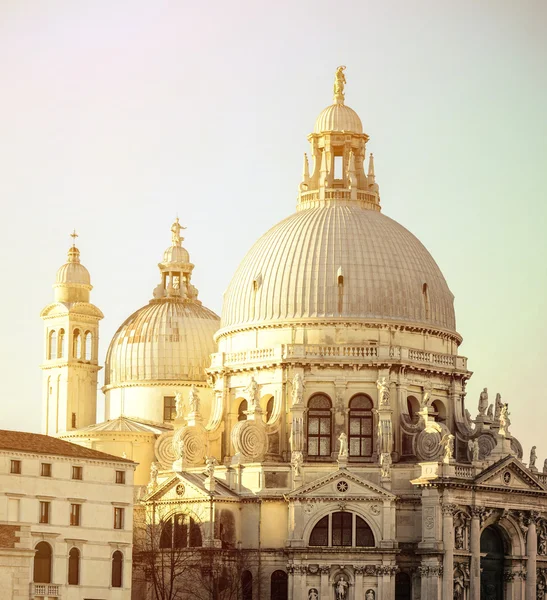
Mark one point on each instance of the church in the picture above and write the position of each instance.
(314, 442)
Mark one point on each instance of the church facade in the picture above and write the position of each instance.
(315, 441)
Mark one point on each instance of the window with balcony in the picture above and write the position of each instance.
(42, 563)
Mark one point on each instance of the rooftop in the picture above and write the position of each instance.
(24, 441)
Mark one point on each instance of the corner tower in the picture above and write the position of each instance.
(71, 342)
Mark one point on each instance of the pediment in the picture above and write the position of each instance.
(509, 473)
(188, 486)
(341, 485)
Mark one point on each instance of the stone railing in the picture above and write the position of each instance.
(337, 353)
(464, 472)
(542, 478)
(48, 591)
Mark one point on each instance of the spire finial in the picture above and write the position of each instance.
(339, 82)
(74, 235)
(176, 238)
(371, 166)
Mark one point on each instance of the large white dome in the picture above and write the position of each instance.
(338, 262)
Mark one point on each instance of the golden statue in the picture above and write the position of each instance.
(176, 238)
(339, 82)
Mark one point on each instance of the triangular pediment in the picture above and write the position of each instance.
(188, 486)
(509, 473)
(343, 485)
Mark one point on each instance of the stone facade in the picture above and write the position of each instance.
(56, 530)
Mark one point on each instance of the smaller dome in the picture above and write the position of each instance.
(338, 117)
(73, 271)
(176, 254)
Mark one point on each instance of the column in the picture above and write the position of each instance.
(303, 586)
(290, 571)
(531, 551)
(448, 543)
(359, 591)
(475, 583)
(325, 573)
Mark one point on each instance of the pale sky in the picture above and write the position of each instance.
(117, 115)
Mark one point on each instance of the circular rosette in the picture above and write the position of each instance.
(189, 444)
(427, 445)
(164, 450)
(250, 440)
(487, 443)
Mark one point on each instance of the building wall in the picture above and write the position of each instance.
(95, 537)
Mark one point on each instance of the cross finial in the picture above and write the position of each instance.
(74, 235)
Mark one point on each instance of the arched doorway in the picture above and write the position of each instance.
(491, 564)
(402, 586)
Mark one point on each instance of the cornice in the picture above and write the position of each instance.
(156, 383)
(341, 321)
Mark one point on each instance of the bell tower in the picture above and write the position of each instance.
(71, 343)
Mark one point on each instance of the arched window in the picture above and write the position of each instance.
(42, 563)
(360, 426)
(413, 406)
(61, 343)
(180, 531)
(52, 345)
(439, 411)
(319, 426)
(74, 567)
(88, 345)
(241, 416)
(269, 409)
(342, 529)
(117, 569)
(246, 585)
(279, 585)
(77, 344)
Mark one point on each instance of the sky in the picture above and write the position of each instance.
(115, 116)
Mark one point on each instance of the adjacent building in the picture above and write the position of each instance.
(66, 520)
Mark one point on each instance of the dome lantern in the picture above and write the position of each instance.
(338, 146)
(72, 282)
(176, 269)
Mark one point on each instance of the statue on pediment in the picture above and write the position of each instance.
(483, 402)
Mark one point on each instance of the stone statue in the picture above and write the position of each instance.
(210, 463)
(474, 449)
(383, 392)
(542, 539)
(370, 595)
(254, 394)
(459, 537)
(499, 404)
(339, 82)
(533, 458)
(490, 412)
(545, 466)
(313, 594)
(178, 405)
(179, 450)
(504, 419)
(483, 402)
(153, 476)
(425, 400)
(385, 464)
(297, 458)
(343, 449)
(297, 389)
(448, 444)
(193, 399)
(176, 238)
(341, 588)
